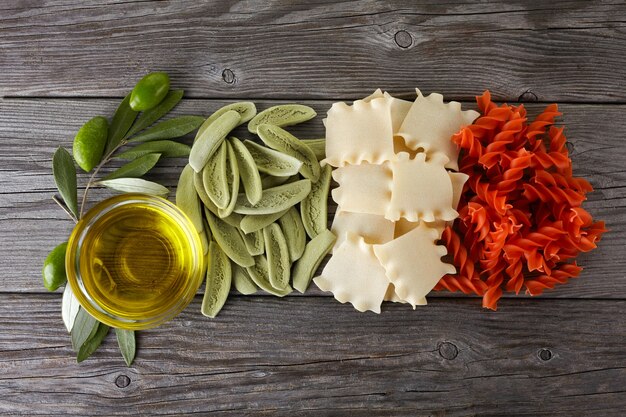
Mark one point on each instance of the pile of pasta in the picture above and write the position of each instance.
(521, 222)
(399, 188)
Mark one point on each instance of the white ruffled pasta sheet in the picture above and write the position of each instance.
(359, 133)
(413, 263)
(421, 189)
(430, 124)
(399, 108)
(353, 274)
(395, 196)
(363, 188)
(391, 295)
(403, 226)
(458, 180)
(376, 94)
(371, 227)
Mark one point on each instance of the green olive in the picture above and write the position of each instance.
(150, 91)
(89, 143)
(53, 272)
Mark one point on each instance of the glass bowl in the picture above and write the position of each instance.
(134, 261)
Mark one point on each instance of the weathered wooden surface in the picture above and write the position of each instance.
(30, 130)
(315, 356)
(62, 62)
(559, 50)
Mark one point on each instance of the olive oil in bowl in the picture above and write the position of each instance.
(134, 261)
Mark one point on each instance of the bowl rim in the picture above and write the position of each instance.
(77, 237)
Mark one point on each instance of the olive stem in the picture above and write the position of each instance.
(64, 207)
(91, 181)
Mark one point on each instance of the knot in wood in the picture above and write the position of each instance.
(545, 354)
(528, 97)
(228, 76)
(403, 39)
(122, 381)
(448, 350)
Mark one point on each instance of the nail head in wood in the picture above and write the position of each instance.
(528, 97)
(448, 350)
(122, 381)
(545, 354)
(403, 39)
(228, 76)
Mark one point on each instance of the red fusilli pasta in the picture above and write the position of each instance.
(520, 214)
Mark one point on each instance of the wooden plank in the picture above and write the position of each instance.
(31, 129)
(314, 356)
(559, 50)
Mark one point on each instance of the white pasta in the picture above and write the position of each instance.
(395, 196)
(359, 133)
(430, 124)
(413, 263)
(364, 188)
(371, 227)
(403, 226)
(353, 274)
(399, 108)
(391, 295)
(421, 189)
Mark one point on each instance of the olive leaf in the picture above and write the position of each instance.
(135, 185)
(92, 344)
(69, 308)
(167, 148)
(136, 168)
(122, 120)
(85, 327)
(148, 117)
(169, 129)
(126, 342)
(65, 177)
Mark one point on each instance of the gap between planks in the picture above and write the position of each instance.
(439, 295)
(332, 99)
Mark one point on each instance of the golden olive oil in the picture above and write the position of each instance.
(136, 261)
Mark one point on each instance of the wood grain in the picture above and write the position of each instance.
(313, 356)
(310, 355)
(31, 129)
(559, 50)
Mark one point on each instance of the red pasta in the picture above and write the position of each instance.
(520, 214)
